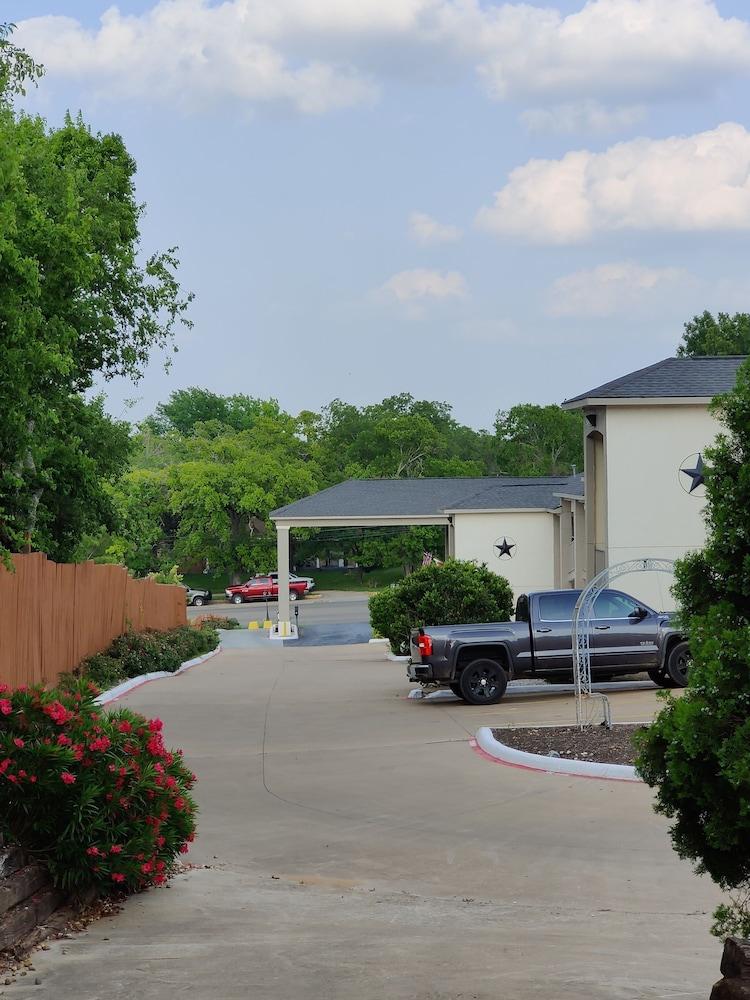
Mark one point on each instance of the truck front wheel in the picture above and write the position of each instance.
(482, 682)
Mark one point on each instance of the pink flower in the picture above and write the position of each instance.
(4, 688)
(115, 849)
(19, 742)
(159, 879)
(117, 877)
(64, 741)
(12, 778)
(156, 725)
(68, 778)
(102, 743)
(184, 848)
(179, 804)
(58, 713)
(125, 727)
(5, 707)
(93, 852)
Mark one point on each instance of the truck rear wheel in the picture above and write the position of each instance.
(482, 682)
(678, 664)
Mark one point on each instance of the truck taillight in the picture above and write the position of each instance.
(424, 644)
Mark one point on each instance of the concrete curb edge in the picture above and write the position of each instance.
(497, 751)
(135, 682)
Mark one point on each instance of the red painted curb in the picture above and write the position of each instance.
(543, 770)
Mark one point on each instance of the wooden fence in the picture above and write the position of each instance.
(54, 615)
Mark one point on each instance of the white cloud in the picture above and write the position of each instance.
(318, 55)
(696, 183)
(421, 283)
(428, 231)
(609, 288)
(191, 54)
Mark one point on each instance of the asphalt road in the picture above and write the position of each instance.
(353, 845)
(325, 619)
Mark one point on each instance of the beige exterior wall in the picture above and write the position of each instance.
(533, 532)
(647, 512)
(570, 570)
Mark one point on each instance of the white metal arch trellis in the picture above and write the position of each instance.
(583, 615)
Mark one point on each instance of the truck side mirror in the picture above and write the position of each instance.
(639, 614)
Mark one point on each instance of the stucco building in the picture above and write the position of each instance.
(645, 434)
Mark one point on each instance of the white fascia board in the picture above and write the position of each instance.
(374, 521)
(580, 404)
(571, 496)
(504, 510)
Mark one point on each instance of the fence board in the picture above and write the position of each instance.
(54, 615)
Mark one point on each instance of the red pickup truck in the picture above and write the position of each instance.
(263, 587)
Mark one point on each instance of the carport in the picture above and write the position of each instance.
(509, 523)
(363, 503)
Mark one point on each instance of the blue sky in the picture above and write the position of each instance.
(482, 203)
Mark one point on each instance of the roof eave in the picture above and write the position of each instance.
(591, 401)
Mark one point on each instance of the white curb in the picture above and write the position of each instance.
(133, 682)
(551, 765)
(378, 642)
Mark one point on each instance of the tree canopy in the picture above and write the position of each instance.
(76, 304)
(705, 335)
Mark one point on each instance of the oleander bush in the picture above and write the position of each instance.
(449, 594)
(94, 795)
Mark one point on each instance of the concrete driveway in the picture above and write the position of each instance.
(358, 848)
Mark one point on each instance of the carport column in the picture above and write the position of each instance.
(282, 566)
(450, 540)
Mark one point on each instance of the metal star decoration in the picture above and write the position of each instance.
(504, 548)
(695, 474)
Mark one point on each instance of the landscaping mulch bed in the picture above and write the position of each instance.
(608, 746)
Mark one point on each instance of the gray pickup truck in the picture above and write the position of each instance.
(477, 661)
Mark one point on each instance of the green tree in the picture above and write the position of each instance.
(725, 334)
(188, 409)
(17, 68)
(538, 440)
(76, 303)
(697, 752)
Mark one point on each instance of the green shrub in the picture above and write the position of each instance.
(94, 795)
(148, 652)
(697, 752)
(216, 621)
(105, 671)
(450, 594)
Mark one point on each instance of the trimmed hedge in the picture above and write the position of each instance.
(452, 594)
(94, 795)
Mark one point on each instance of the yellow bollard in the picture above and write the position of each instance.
(253, 625)
(267, 624)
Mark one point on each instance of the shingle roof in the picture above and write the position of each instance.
(671, 377)
(431, 497)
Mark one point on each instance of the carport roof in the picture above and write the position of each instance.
(371, 499)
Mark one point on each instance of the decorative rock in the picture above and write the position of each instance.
(735, 965)
(735, 962)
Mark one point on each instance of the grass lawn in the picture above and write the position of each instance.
(349, 579)
(325, 579)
